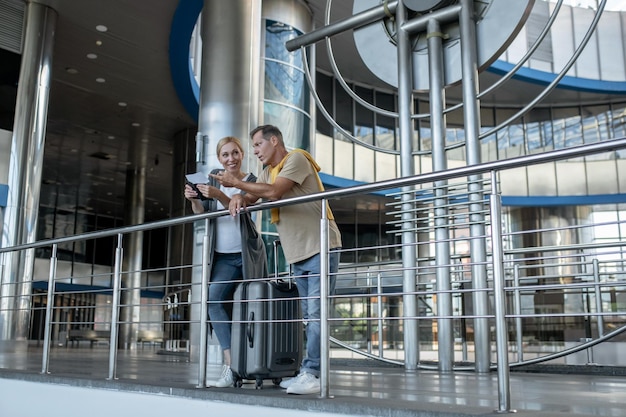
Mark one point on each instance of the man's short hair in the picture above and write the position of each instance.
(268, 131)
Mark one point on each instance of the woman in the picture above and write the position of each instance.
(227, 263)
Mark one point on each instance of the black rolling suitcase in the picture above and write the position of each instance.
(267, 333)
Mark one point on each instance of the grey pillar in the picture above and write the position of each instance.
(445, 340)
(229, 88)
(478, 249)
(26, 160)
(229, 98)
(409, 254)
(180, 237)
(133, 243)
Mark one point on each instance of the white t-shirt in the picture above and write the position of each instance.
(227, 234)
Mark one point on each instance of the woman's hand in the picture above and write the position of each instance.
(237, 203)
(192, 196)
(208, 190)
(190, 193)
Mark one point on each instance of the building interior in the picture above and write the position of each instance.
(473, 154)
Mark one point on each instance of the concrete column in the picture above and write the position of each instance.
(26, 160)
(405, 109)
(445, 339)
(133, 243)
(471, 118)
(229, 99)
(180, 237)
(229, 85)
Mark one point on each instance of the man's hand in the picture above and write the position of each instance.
(226, 179)
(237, 204)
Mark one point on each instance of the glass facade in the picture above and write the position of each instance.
(540, 130)
(286, 92)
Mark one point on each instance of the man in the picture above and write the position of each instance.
(291, 174)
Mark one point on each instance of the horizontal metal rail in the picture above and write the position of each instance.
(517, 162)
(587, 281)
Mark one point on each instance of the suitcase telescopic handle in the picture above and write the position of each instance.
(250, 330)
(277, 279)
(276, 244)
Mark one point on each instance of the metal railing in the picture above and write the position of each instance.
(513, 276)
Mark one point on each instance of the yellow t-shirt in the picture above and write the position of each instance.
(299, 225)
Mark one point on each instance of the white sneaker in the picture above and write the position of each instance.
(226, 379)
(305, 383)
(286, 383)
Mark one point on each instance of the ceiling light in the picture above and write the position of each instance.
(122, 104)
(101, 28)
(100, 80)
(111, 137)
(135, 124)
(71, 70)
(98, 42)
(92, 56)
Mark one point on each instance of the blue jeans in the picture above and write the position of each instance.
(307, 274)
(225, 277)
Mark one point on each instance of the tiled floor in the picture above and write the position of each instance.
(356, 387)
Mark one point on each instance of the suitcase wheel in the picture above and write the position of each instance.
(238, 383)
(277, 381)
(258, 384)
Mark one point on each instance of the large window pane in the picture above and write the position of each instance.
(385, 134)
(276, 34)
(293, 124)
(324, 88)
(364, 126)
(286, 84)
(343, 109)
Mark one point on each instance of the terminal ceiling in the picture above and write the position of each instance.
(91, 123)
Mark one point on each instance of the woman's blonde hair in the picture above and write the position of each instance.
(229, 139)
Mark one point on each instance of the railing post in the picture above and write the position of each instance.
(518, 313)
(324, 290)
(504, 389)
(379, 297)
(368, 305)
(598, 294)
(115, 306)
(49, 305)
(204, 297)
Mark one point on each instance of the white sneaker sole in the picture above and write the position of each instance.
(296, 391)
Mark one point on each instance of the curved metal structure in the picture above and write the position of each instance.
(375, 34)
(377, 45)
